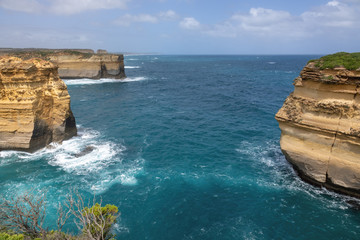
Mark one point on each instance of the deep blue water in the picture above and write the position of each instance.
(187, 148)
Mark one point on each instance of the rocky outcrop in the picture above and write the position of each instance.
(95, 66)
(320, 127)
(77, 63)
(34, 105)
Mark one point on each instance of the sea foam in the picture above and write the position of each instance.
(131, 67)
(87, 81)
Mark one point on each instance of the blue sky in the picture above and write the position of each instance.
(184, 26)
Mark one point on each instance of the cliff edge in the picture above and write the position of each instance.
(76, 63)
(320, 123)
(34, 105)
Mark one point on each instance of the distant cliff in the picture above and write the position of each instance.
(320, 123)
(34, 105)
(76, 63)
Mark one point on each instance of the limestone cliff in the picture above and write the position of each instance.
(34, 105)
(77, 63)
(320, 127)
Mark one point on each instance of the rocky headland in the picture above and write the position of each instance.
(34, 105)
(320, 123)
(76, 63)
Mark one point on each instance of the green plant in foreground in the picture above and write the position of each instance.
(7, 236)
(25, 214)
(101, 220)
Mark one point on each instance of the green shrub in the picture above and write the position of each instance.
(7, 236)
(101, 220)
(350, 61)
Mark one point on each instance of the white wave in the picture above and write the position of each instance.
(134, 79)
(87, 81)
(125, 176)
(271, 62)
(131, 67)
(86, 161)
(269, 160)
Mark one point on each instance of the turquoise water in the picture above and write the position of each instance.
(187, 148)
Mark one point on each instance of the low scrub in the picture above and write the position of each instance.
(350, 61)
(22, 218)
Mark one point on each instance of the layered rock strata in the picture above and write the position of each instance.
(34, 105)
(77, 63)
(320, 128)
(95, 66)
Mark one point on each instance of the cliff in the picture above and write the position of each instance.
(320, 124)
(76, 63)
(34, 105)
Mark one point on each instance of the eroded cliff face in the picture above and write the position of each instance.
(95, 66)
(320, 128)
(76, 63)
(34, 105)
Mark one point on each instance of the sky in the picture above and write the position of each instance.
(184, 26)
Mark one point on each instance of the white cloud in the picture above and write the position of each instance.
(168, 15)
(190, 23)
(62, 6)
(29, 6)
(128, 19)
(261, 19)
(334, 14)
(77, 6)
(333, 3)
(331, 18)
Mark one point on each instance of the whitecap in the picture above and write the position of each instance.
(271, 62)
(134, 79)
(131, 67)
(87, 81)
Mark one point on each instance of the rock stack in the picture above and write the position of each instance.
(34, 105)
(320, 127)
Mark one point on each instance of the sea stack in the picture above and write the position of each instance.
(320, 123)
(34, 105)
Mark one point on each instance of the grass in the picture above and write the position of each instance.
(350, 61)
(45, 54)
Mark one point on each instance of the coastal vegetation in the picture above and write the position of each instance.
(350, 61)
(45, 54)
(23, 218)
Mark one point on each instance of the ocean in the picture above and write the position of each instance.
(188, 148)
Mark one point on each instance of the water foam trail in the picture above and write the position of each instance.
(131, 67)
(271, 162)
(87, 81)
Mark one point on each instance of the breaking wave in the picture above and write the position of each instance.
(131, 67)
(87, 81)
(86, 162)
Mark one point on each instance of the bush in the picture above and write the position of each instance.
(350, 61)
(26, 213)
(101, 219)
(7, 236)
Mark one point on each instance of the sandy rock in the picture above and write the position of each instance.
(320, 128)
(34, 105)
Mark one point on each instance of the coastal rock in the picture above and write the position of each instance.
(320, 128)
(76, 63)
(95, 66)
(34, 105)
